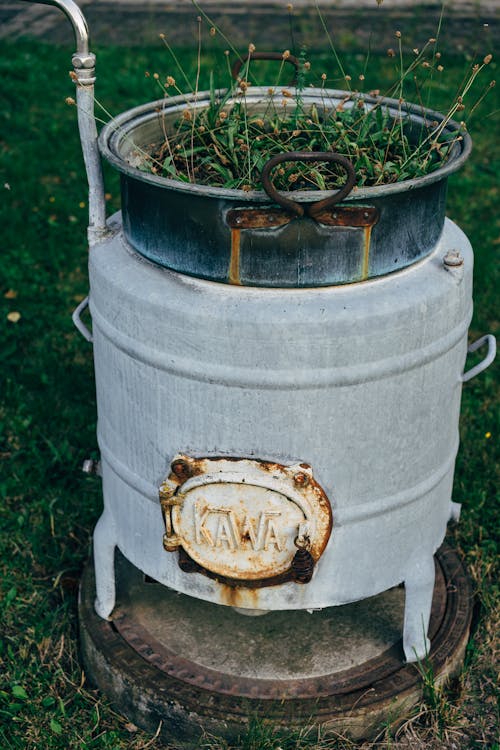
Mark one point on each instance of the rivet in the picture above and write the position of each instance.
(301, 479)
(453, 258)
(180, 468)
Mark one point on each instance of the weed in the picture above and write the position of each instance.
(224, 137)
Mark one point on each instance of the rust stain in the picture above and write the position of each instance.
(233, 596)
(234, 263)
(367, 233)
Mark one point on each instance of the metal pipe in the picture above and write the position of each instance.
(77, 19)
(84, 77)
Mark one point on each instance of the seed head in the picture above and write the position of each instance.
(186, 115)
(323, 76)
(416, 51)
(251, 48)
(170, 81)
(222, 115)
(487, 59)
(162, 36)
(70, 101)
(226, 52)
(348, 78)
(286, 54)
(432, 40)
(212, 31)
(390, 52)
(397, 35)
(307, 65)
(286, 93)
(243, 85)
(438, 55)
(156, 76)
(361, 77)
(440, 68)
(289, 7)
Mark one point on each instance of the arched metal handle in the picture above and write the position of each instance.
(78, 322)
(266, 56)
(486, 362)
(311, 209)
(77, 19)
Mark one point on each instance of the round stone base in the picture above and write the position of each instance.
(202, 668)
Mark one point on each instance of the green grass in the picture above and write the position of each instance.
(47, 419)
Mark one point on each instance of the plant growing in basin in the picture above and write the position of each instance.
(364, 174)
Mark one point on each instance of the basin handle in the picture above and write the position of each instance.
(309, 209)
(84, 78)
(266, 56)
(78, 322)
(486, 362)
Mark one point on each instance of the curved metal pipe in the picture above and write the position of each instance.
(77, 19)
(84, 77)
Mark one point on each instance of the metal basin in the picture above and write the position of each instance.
(245, 238)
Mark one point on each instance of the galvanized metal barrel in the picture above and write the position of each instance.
(359, 384)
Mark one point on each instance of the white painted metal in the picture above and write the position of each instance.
(361, 381)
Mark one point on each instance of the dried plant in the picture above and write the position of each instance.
(222, 138)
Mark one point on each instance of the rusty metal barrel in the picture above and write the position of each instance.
(264, 238)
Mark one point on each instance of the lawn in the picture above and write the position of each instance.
(47, 417)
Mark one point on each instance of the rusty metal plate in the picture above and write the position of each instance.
(245, 520)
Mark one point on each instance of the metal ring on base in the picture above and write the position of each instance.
(150, 682)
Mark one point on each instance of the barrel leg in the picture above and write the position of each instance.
(419, 589)
(104, 564)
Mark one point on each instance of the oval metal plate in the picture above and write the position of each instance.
(240, 518)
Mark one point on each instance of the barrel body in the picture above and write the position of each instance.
(361, 382)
